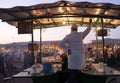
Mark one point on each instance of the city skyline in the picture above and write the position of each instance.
(10, 34)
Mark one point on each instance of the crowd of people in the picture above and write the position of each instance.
(13, 59)
(17, 60)
(113, 59)
(110, 58)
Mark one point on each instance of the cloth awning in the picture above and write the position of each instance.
(63, 13)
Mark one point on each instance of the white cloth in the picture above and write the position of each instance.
(74, 42)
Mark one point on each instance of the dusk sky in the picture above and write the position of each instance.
(9, 34)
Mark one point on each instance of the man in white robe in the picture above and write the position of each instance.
(73, 44)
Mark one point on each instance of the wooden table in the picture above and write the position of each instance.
(94, 76)
(27, 75)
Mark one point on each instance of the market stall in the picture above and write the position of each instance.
(61, 13)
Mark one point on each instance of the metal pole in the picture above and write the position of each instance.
(40, 44)
(96, 44)
(103, 39)
(96, 39)
(33, 57)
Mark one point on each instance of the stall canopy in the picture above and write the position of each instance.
(63, 13)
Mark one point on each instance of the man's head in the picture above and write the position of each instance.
(74, 27)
